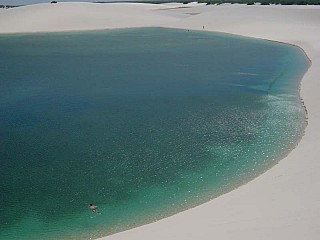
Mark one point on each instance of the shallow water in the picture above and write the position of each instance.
(143, 123)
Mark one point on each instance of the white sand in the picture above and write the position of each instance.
(283, 203)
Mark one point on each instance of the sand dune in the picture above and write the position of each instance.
(283, 203)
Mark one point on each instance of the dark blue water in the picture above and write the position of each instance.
(143, 123)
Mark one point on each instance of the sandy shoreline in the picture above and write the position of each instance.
(284, 202)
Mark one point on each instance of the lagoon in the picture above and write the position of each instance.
(142, 122)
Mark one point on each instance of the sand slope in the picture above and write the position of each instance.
(283, 203)
(79, 16)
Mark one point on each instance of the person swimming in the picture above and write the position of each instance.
(94, 208)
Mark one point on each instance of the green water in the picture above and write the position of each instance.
(143, 123)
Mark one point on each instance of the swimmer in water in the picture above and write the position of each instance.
(94, 208)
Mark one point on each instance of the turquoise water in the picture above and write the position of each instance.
(143, 123)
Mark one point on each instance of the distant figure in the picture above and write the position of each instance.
(202, 27)
(93, 208)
